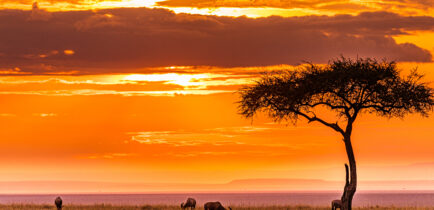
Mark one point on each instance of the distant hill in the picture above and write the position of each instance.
(318, 184)
(241, 185)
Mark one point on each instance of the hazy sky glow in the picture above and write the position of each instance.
(144, 91)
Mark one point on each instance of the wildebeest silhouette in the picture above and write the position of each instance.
(215, 206)
(191, 202)
(58, 203)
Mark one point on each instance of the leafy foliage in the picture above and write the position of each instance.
(348, 87)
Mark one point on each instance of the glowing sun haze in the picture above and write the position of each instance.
(145, 91)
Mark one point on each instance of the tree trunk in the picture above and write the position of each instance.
(350, 189)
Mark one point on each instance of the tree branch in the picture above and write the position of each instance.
(324, 103)
(334, 126)
(383, 108)
(343, 98)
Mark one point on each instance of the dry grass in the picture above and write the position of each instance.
(162, 207)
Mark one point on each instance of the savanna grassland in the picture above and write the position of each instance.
(163, 207)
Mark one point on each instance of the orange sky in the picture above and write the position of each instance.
(144, 91)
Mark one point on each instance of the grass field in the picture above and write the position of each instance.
(147, 207)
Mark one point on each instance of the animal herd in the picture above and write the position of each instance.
(190, 203)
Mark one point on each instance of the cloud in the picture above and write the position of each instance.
(225, 136)
(418, 6)
(7, 115)
(45, 114)
(251, 141)
(39, 14)
(91, 92)
(240, 7)
(196, 154)
(69, 52)
(287, 4)
(12, 71)
(110, 155)
(171, 84)
(180, 138)
(64, 5)
(130, 39)
(239, 130)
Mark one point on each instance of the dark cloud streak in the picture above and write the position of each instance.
(120, 40)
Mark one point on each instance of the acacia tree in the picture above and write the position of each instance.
(345, 87)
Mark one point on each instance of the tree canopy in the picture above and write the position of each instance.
(345, 86)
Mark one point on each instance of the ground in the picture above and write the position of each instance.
(148, 207)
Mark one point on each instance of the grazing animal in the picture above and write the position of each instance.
(58, 203)
(191, 202)
(336, 204)
(215, 206)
